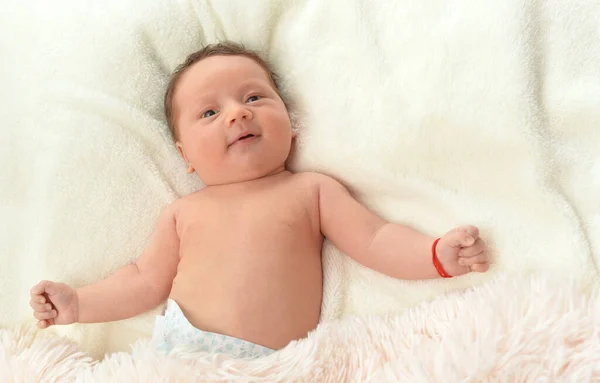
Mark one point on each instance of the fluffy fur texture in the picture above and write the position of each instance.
(433, 114)
(510, 330)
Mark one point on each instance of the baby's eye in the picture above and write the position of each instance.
(253, 98)
(209, 113)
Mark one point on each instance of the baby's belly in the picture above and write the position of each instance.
(268, 295)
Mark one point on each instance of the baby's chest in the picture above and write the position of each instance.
(275, 216)
(289, 212)
(273, 210)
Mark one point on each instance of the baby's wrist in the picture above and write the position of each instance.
(76, 306)
(436, 261)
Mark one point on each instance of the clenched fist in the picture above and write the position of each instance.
(461, 251)
(54, 303)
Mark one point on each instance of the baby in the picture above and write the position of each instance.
(239, 261)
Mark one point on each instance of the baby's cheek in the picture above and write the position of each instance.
(208, 147)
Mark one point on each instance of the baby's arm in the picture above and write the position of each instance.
(130, 291)
(393, 249)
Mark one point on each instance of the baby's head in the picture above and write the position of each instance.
(226, 115)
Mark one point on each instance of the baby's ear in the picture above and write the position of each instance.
(190, 168)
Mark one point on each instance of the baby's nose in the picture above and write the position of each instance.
(239, 113)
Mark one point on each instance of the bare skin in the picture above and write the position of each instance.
(242, 257)
(257, 252)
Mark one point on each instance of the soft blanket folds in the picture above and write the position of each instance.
(551, 334)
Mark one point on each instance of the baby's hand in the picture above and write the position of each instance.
(53, 303)
(461, 251)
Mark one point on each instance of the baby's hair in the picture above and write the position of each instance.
(226, 48)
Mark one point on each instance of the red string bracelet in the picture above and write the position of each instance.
(436, 261)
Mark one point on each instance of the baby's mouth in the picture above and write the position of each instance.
(246, 137)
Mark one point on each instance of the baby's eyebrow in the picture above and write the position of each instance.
(197, 105)
(203, 96)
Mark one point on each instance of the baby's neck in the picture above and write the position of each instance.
(276, 172)
(275, 175)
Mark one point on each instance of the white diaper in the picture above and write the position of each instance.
(173, 329)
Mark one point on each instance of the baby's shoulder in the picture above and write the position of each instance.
(187, 201)
(195, 198)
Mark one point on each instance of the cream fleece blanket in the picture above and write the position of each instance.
(550, 334)
(434, 114)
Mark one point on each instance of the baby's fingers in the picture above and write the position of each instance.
(457, 238)
(43, 324)
(477, 248)
(469, 230)
(481, 258)
(42, 287)
(38, 289)
(42, 315)
(41, 307)
(480, 267)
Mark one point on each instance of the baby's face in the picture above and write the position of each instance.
(232, 124)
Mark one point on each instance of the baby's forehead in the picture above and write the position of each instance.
(232, 64)
(215, 71)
